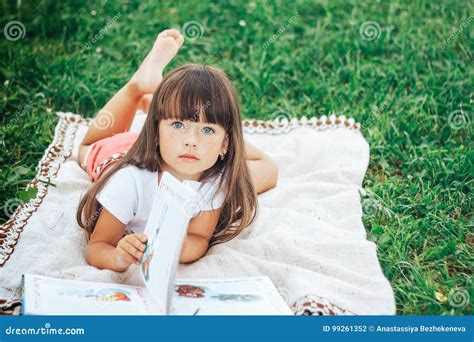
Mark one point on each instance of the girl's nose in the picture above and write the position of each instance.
(190, 143)
(191, 137)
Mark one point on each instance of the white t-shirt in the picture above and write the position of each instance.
(129, 194)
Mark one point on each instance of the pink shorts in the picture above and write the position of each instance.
(107, 151)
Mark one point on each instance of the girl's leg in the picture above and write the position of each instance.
(117, 115)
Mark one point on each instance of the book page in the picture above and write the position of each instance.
(52, 296)
(166, 228)
(231, 296)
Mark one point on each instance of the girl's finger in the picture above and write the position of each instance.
(125, 255)
(128, 250)
(137, 243)
(142, 237)
(132, 250)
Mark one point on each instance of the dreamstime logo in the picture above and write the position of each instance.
(94, 217)
(46, 330)
(19, 172)
(369, 31)
(14, 30)
(280, 116)
(458, 119)
(103, 120)
(103, 31)
(10, 206)
(458, 297)
(286, 23)
(215, 59)
(193, 30)
(380, 108)
(281, 119)
(373, 204)
(453, 35)
(203, 108)
(18, 114)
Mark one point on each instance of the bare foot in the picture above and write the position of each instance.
(150, 72)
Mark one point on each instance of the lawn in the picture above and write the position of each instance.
(401, 69)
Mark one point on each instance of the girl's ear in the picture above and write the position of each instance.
(225, 144)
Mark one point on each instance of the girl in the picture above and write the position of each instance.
(193, 130)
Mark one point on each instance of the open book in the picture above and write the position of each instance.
(173, 207)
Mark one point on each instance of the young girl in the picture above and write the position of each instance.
(193, 130)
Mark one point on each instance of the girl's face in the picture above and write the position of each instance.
(203, 140)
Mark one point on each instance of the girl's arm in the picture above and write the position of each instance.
(108, 249)
(198, 235)
(263, 169)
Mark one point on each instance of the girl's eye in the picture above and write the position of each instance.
(177, 122)
(178, 125)
(210, 130)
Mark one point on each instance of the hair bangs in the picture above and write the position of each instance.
(198, 96)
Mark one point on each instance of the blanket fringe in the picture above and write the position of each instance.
(313, 305)
(282, 123)
(10, 307)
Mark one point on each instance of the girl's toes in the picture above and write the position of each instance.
(173, 33)
(164, 33)
(176, 35)
(180, 39)
(169, 33)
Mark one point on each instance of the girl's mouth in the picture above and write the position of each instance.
(188, 159)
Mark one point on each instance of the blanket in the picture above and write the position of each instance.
(308, 236)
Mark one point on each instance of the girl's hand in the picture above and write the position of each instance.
(130, 250)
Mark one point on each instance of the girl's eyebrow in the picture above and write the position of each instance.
(215, 126)
(203, 123)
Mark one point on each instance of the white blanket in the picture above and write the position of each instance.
(308, 238)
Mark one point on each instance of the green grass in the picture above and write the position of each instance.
(401, 86)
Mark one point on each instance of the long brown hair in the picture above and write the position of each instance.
(186, 93)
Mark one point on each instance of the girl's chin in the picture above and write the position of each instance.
(189, 171)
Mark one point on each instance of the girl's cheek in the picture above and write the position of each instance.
(211, 144)
(173, 134)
